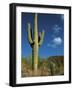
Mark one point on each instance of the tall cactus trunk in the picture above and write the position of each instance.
(35, 58)
(35, 43)
(35, 46)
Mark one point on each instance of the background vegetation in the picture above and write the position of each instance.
(51, 66)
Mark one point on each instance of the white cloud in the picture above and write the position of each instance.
(56, 28)
(57, 40)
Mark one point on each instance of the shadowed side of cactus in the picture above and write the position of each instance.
(35, 42)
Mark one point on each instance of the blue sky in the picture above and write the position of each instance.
(53, 25)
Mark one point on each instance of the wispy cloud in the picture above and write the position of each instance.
(56, 28)
(51, 45)
(57, 41)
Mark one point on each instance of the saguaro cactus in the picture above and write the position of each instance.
(35, 42)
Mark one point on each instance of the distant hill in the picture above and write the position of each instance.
(56, 64)
(56, 59)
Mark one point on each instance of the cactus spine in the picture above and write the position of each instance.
(35, 42)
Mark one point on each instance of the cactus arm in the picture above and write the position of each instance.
(41, 38)
(29, 34)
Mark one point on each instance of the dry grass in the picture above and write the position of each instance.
(50, 67)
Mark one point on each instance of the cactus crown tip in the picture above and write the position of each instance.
(28, 23)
